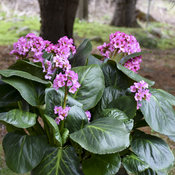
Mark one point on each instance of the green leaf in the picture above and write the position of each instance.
(8, 95)
(55, 98)
(26, 66)
(126, 58)
(76, 119)
(133, 164)
(47, 56)
(93, 60)
(147, 172)
(102, 164)
(169, 97)
(53, 130)
(118, 57)
(126, 104)
(158, 113)
(82, 54)
(32, 92)
(114, 98)
(134, 76)
(92, 85)
(114, 77)
(103, 136)
(18, 118)
(114, 113)
(152, 172)
(23, 152)
(17, 73)
(58, 161)
(65, 135)
(153, 150)
(109, 95)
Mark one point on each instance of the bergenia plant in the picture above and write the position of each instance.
(68, 112)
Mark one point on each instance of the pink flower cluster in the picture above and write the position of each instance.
(141, 92)
(88, 114)
(120, 42)
(62, 113)
(32, 46)
(69, 78)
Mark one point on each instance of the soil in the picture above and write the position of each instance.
(160, 67)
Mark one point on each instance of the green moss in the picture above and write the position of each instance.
(12, 29)
(91, 30)
(15, 27)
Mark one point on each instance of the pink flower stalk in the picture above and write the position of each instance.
(70, 78)
(120, 42)
(88, 114)
(33, 46)
(141, 92)
(62, 113)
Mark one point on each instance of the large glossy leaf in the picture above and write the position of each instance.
(133, 164)
(114, 77)
(126, 104)
(134, 76)
(59, 161)
(126, 58)
(114, 113)
(23, 152)
(17, 73)
(54, 132)
(103, 136)
(102, 164)
(31, 91)
(92, 85)
(27, 66)
(158, 113)
(55, 98)
(109, 95)
(82, 54)
(114, 98)
(148, 171)
(93, 60)
(8, 95)
(169, 97)
(76, 119)
(18, 118)
(153, 150)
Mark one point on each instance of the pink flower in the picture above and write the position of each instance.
(34, 47)
(133, 89)
(141, 92)
(62, 113)
(88, 114)
(139, 96)
(73, 89)
(120, 42)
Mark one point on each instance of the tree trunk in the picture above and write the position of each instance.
(57, 18)
(82, 12)
(125, 13)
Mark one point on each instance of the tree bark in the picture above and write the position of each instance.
(82, 12)
(57, 18)
(125, 13)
